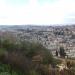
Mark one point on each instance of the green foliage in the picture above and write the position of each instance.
(26, 48)
(5, 69)
(21, 54)
(62, 52)
(33, 72)
(48, 58)
(56, 53)
(2, 51)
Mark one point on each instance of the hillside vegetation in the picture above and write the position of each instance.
(24, 58)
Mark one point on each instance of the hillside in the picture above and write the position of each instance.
(24, 56)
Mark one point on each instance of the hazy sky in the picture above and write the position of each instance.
(37, 12)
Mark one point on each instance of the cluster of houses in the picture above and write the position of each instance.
(51, 37)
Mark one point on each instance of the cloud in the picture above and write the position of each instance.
(35, 13)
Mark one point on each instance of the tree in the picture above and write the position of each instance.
(62, 52)
(0, 42)
(56, 53)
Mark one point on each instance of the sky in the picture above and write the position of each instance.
(39, 12)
